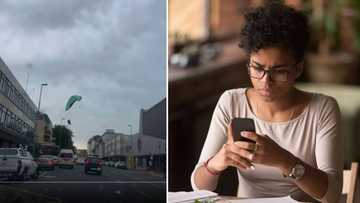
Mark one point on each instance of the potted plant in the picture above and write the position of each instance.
(329, 61)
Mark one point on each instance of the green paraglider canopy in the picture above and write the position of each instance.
(71, 101)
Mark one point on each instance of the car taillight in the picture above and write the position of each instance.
(99, 162)
(50, 162)
(87, 161)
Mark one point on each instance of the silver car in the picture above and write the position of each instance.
(17, 163)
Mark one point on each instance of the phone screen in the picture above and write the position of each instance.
(242, 124)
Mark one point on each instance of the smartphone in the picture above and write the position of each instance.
(242, 124)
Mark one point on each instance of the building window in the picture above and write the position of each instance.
(1, 79)
(2, 114)
(9, 90)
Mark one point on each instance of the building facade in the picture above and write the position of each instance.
(145, 149)
(81, 153)
(44, 126)
(45, 141)
(150, 144)
(96, 146)
(17, 111)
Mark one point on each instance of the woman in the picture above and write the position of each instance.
(297, 142)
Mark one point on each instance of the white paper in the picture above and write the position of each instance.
(177, 197)
(286, 199)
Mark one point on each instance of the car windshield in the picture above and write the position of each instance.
(87, 83)
(8, 152)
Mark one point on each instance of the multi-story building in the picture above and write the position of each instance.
(17, 111)
(96, 146)
(108, 139)
(117, 146)
(145, 149)
(45, 141)
(44, 134)
(81, 153)
(150, 143)
(153, 121)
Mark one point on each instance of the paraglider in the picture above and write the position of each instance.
(71, 101)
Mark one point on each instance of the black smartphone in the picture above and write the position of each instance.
(242, 124)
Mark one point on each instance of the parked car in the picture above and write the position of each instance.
(17, 164)
(93, 164)
(120, 164)
(66, 158)
(55, 160)
(46, 162)
(111, 163)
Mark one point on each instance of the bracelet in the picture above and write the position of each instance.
(214, 173)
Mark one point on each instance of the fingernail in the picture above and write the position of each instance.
(252, 167)
(251, 156)
(243, 133)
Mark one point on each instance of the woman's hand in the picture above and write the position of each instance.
(268, 152)
(232, 154)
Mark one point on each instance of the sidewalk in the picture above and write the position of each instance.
(150, 172)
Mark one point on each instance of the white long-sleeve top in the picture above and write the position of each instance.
(313, 137)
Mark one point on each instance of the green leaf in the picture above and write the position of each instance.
(330, 24)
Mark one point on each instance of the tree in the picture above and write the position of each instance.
(63, 137)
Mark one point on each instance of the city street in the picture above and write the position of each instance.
(73, 185)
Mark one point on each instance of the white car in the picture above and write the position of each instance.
(120, 164)
(66, 158)
(109, 163)
(17, 163)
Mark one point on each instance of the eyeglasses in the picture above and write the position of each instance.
(277, 74)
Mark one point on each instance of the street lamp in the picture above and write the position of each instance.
(130, 126)
(42, 85)
(131, 139)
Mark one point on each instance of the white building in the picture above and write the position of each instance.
(144, 149)
(96, 146)
(148, 145)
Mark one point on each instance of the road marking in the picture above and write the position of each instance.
(127, 176)
(43, 174)
(84, 182)
(48, 176)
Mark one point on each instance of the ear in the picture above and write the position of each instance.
(299, 69)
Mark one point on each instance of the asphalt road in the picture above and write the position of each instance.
(74, 186)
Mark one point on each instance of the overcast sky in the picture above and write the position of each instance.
(112, 53)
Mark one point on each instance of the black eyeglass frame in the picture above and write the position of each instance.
(270, 71)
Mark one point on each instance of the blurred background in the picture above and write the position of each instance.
(204, 61)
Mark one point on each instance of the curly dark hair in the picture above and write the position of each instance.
(275, 25)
